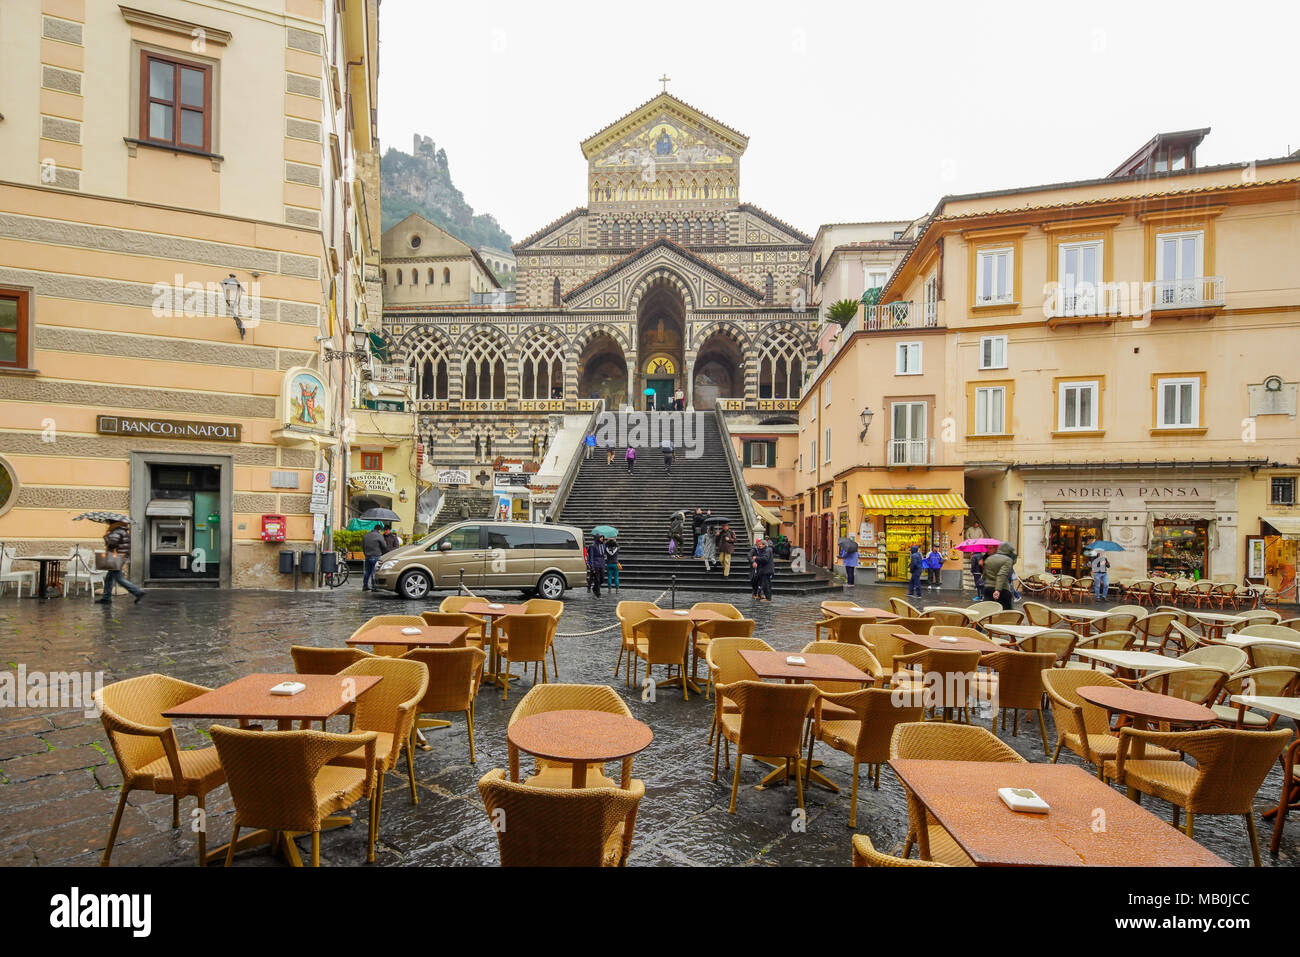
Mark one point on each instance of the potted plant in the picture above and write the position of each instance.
(841, 313)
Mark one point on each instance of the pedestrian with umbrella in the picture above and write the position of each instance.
(1100, 574)
(596, 561)
(726, 547)
(117, 548)
(849, 556)
(667, 448)
(612, 565)
(709, 546)
(998, 575)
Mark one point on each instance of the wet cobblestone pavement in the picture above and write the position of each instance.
(59, 783)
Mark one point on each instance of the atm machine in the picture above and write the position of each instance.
(170, 522)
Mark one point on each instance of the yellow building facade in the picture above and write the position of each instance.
(1119, 363)
(184, 257)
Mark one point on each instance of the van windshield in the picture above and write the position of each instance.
(435, 535)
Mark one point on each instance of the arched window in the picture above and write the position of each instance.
(415, 277)
(768, 289)
(446, 275)
(430, 370)
(430, 281)
(399, 277)
(541, 368)
(383, 274)
(780, 366)
(485, 369)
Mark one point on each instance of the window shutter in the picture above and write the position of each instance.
(748, 456)
(771, 454)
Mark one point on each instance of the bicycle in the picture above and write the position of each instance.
(340, 573)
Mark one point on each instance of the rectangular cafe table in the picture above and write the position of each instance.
(1017, 632)
(962, 797)
(1136, 661)
(249, 699)
(430, 636)
(771, 666)
(695, 616)
(954, 642)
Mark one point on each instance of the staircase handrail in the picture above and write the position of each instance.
(753, 524)
(571, 473)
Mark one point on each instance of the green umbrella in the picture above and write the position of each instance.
(609, 531)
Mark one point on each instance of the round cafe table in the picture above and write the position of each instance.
(579, 738)
(1147, 708)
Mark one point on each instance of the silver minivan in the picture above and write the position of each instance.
(530, 556)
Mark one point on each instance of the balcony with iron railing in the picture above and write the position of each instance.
(1086, 302)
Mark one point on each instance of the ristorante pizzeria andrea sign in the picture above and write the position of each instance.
(168, 428)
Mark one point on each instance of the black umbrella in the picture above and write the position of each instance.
(106, 518)
(848, 545)
(716, 520)
(379, 515)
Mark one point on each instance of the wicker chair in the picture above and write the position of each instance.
(865, 855)
(1035, 584)
(958, 631)
(954, 685)
(550, 827)
(404, 621)
(1082, 726)
(948, 617)
(829, 608)
(454, 678)
(308, 660)
(524, 639)
(727, 667)
(547, 606)
(664, 641)
(1019, 685)
(629, 613)
(1164, 592)
(1058, 641)
(1199, 595)
(283, 781)
(769, 720)
(1274, 632)
(1011, 616)
(1153, 630)
(1115, 621)
(1139, 593)
(1272, 682)
(917, 626)
(145, 747)
(836, 627)
(902, 609)
(388, 709)
(562, 697)
(980, 610)
(476, 637)
(880, 641)
(1227, 593)
(1292, 623)
(1081, 590)
(1258, 616)
(942, 742)
(1137, 611)
(706, 632)
(1275, 655)
(861, 724)
(1224, 657)
(1198, 685)
(721, 607)
(1061, 588)
(1230, 767)
(1041, 615)
(454, 603)
(857, 655)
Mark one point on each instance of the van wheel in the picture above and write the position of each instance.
(414, 584)
(551, 585)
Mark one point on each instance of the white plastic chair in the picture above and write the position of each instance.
(82, 570)
(9, 575)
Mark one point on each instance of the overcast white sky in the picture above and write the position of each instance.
(854, 111)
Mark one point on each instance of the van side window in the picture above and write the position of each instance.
(510, 537)
(556, 538)
(463, 539)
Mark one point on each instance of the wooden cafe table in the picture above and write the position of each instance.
(492, 611)
(579, 738)
(1147, 708)
(249, 699)
(1286, 708)
(430, 636)
(948, 642)
(866, 613)
(771, 666)
(1136, 661)
(962, 797)
(695, 616)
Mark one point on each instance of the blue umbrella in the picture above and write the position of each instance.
(1104, 546)
(609, 531)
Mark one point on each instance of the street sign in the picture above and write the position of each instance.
(320, 493)
(317, 527)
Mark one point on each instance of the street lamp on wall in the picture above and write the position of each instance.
(865, 415)
(358, 351)
(232, 290)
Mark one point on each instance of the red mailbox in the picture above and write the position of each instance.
(272, 528)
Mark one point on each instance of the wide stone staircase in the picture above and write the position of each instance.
(641, 504)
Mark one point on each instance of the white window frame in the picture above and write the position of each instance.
(1094, 385)
(991, 365)
(901, 353)
(826, 446)
(828, 392)
(911, 440)
(987, 391)
(884, 278)
(1179, 382)
(1178, 288)
(984, 297)
(812, 456)
(930, 299)
(1085, 303)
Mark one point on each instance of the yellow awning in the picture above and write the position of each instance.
(914, 503)
(1288, 525)
(766, 514)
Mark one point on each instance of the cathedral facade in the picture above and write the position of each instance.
(664, 282)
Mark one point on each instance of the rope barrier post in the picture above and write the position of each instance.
(460, 584)
(674, 591)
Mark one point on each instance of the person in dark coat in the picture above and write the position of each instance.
(697, 528)
(762, 565)
(915, 563)
(676, 533)
(373, 545)
(726, 548)
(391, 539)
(934, 565)
(596, 559)
(117, 541)
(977, 573)
(997, 576)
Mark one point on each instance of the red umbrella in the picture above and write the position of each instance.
(978, 545)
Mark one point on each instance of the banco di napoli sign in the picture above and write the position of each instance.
(168, 428)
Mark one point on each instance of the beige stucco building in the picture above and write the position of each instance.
(144, 160)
